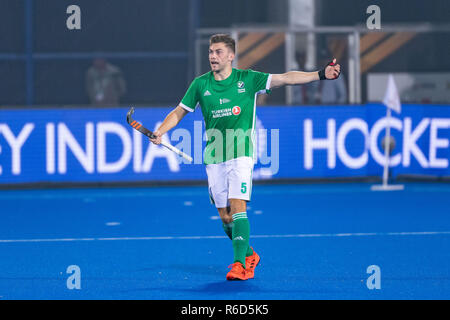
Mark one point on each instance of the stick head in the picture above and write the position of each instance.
(129, 114)
(136, 125)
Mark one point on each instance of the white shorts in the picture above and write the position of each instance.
(231, 179)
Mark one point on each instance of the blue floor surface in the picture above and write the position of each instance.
(315, 242)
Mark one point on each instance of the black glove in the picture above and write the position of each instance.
(322, 72)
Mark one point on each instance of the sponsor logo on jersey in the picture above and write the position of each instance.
(226, 112)
(224, 100)
(236, 110)
(221, 113)
(207, 93)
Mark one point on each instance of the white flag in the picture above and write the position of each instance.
(391, 98)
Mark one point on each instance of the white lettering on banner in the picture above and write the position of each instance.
(104, 128)
(409, 142)
(349, 125)
(436, 143)
(94, 156)
(328, 143)
(410, 139)
(381, 124)
(424, 143)
(156, 151)
(50, 147)
(66, 139)
(16, 144)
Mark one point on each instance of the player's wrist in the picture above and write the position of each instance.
(322, 74)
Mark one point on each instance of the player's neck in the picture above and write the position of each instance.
(223, 74)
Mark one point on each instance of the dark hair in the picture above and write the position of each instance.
(226, 39)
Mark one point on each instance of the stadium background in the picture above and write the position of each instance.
(53, 137)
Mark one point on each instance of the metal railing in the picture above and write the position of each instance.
(353, 34)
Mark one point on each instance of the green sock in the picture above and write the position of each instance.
(228, 228)
(240, 236)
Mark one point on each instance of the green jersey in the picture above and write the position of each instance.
(228, 108)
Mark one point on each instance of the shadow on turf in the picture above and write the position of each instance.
(218, 287)
(222, 286)
(226, 287)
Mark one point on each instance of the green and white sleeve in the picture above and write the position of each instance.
(191, 98)
(261, 81)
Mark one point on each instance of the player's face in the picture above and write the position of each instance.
(220, 56)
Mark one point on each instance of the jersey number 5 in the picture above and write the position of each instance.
(244, 187)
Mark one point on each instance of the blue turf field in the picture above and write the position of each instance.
(315, 241)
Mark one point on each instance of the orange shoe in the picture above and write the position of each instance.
(251, 262)
(237, 272)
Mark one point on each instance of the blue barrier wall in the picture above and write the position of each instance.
(97, 145)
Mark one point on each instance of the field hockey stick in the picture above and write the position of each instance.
(139, 127)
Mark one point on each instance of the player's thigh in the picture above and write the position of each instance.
(240, 178)
(217, 184)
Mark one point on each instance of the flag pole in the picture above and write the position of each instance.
(387, 147)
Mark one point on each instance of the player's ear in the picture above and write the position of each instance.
(232, 55)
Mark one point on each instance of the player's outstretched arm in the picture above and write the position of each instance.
(330, 72)
(172, 119)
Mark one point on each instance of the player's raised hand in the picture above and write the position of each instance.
(157, 137)
(332, 70)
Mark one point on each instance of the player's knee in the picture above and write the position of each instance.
(227, 219)
(225, 215)
(237, 205)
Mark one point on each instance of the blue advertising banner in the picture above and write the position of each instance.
(97, 145)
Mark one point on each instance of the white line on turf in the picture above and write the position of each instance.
(112, 224)
(301, 235)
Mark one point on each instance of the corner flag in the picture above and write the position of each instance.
(391, 98)
(392, 102)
